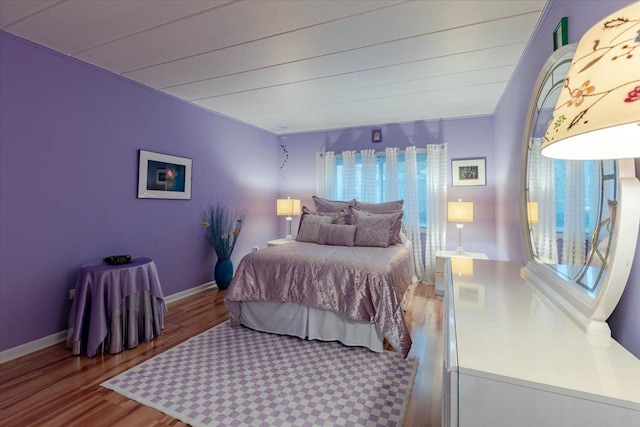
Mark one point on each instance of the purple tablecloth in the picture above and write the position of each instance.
(115, 306)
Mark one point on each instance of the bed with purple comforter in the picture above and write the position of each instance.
(362, 283)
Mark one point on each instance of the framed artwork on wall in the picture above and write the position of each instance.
(468, 172)
(376, 135)
(161, 176)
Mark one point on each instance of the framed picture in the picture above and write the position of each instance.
(376, 135)
(561, 34)
(466, 172)
(161, 176)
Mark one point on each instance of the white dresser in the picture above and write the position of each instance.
(512, 358)
(461, 265)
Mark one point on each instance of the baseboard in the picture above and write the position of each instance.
(58, 337)
(33, 346)
(189, 292)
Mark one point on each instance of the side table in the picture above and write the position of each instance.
(278, 242)
(461, 263)
(115, 306)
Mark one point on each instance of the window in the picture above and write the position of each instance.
(381, 176)
(590, 197)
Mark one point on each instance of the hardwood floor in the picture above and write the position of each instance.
(52, 388)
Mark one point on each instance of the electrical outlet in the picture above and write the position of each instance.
(72, 294)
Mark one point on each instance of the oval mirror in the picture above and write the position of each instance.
(570, 213)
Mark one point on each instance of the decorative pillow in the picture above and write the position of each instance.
(337, 235)
(341, 217)
(310, 226)
(326, 205)
(373, 230)
(384, 207)
(396, 225)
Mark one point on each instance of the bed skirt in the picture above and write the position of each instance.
(299, 320)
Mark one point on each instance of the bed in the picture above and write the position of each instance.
(350, 294)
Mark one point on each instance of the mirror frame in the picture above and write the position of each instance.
(590, 314)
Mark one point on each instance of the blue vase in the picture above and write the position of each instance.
(223, 273)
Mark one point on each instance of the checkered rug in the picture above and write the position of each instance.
(239, 377)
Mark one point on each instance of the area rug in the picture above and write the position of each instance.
(239, 377)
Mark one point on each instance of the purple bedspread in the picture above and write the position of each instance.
(363, 283)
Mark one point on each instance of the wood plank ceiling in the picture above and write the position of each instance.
(293, 66)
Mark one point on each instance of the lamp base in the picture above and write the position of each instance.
(289, 236)
(459, 250)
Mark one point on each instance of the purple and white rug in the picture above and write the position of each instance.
(239, 377)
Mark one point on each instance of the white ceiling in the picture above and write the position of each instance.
(291, 66)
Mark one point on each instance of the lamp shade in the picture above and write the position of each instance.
(598, 113)
(532, 212)
(462, 266)
(288, 207)
(460, 211)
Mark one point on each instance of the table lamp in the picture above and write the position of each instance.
(462, 266)
(532, 212)
(460, 212)
(598, 113)
(288, 207)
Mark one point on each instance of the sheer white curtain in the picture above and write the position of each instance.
(573, 236)
(369, 186)
(391, 184)
(542, 189)
(411, 215)
(436, 231)
(325, 175)
(349, 175)
(593, 185)
(369, 178)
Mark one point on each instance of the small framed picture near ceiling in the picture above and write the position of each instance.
(161, 176)
(468, 172)
(561, 34)
(376, 135)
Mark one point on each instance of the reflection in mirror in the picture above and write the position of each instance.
(579, 219)
(570, 203)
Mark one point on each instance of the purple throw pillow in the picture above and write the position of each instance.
(372, 230)
(384, 207)
(326, 205)
(310, 227)
(396, 224)
(337, 235)
(341, 217)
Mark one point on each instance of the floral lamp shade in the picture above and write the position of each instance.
(598, 113)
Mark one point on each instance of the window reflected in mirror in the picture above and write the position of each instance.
(570, 203)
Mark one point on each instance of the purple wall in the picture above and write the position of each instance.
(470, 137)
(509, 121)
(69, 140)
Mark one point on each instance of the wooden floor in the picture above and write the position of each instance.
(52, 388)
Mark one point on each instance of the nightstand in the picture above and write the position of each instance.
(278, 242)
(441, 257)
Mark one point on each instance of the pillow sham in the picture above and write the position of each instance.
(384, 207)
(326, 205)
(337, 235)
(341, 217)
(310, 226)
(396, 224)
(373, 230)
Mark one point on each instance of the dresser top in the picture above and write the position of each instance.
(506, 328)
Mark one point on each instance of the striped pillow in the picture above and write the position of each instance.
(310, 227)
